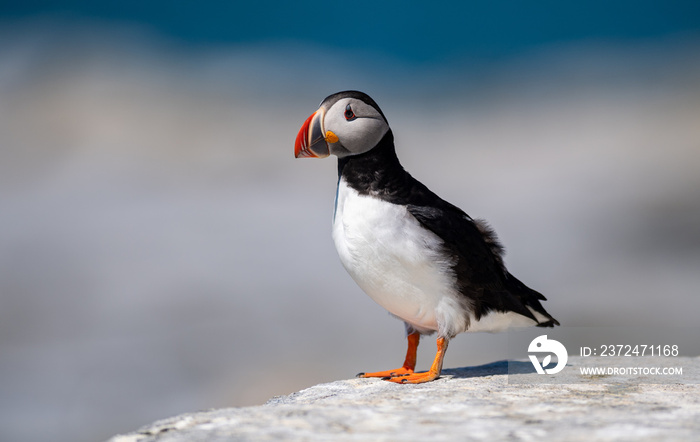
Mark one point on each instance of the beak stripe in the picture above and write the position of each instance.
(301, 146)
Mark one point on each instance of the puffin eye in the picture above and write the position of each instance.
(349, 114)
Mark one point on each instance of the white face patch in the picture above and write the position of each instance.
(357, 134)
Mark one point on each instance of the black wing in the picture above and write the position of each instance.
(481, 274)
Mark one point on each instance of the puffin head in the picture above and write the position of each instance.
(346, 123)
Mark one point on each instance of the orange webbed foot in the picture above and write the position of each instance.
(409, 363)
(430, 375)
(415, 378)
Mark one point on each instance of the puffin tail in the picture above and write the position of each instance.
(531, 299)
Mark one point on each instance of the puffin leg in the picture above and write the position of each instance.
(409, 364)
(430, 375)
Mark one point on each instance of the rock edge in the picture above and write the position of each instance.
(477, 402)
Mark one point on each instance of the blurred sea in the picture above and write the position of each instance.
(162, 251)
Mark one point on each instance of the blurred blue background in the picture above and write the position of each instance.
(161, 251)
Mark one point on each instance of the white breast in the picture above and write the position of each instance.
(397, 262)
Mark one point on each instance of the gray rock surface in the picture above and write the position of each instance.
(477, 403)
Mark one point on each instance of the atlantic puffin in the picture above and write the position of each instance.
(421, 258)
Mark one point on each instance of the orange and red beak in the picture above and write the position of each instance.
(311, 139)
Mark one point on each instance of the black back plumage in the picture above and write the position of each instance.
(479, 269)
